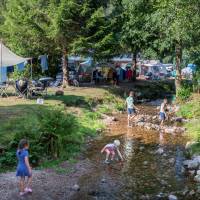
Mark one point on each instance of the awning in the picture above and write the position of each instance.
(8, 58)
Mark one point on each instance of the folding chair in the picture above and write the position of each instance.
(39, 88)
(3, 89)
(22, 89)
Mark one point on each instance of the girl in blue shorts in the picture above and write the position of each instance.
(131, 108)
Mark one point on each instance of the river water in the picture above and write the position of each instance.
(145, 174)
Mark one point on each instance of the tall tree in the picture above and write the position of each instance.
(137, 31)
(178, 23)
(100, 32)
(40, 26)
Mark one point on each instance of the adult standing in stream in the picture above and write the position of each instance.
(131, 108)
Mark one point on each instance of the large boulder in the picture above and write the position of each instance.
(141, 124)
(197, 178)
(172, 197)
(193, 164)
(170, 130)
(197, 159)
(189, 144)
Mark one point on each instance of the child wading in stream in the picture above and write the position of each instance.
(162, 114)
(131, 108)
(110, 149)
(23, 167)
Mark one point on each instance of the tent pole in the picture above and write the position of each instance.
(31, 69)
(1, 59)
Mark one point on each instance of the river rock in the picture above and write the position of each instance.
(76, 187)
(141, 124)
(192, 192)
(182, 170)
(145, 162)
(154, 117)
(148, 126)
(172, 197)
(197, 159)
(140, 119)
(172, 161)
(193, 164)
(185, 191)
(191, 172)
(186, 162)
(103, 180)
(160, 151)
(141, 148)
(114, 119)
(155, 126)
(189, 144)
(170, 130)
(197, 178)
(177, 119)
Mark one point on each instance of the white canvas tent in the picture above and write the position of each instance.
(8, 58)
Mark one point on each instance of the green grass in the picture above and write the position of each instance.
(191, 110)
(21, 118)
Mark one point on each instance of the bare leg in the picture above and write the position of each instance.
(129, 117)
(113, 155)
(107, 155)
(22, 184)
(133, 116)
(29, 182)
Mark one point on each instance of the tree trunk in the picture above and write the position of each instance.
(65, 69)
(134, 66)
(178, 66)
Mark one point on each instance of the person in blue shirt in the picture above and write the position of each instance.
(23, 167)
(131, 108)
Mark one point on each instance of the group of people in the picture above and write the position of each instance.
(111, 149)
(116, 75)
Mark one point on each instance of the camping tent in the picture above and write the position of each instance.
(8, 58)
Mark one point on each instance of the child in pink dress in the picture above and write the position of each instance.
(110, 149)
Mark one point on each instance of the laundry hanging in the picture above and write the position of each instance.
(43, 62)
(20, 66)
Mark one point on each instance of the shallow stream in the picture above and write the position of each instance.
(145, 173)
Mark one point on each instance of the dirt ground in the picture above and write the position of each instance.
(47, 184)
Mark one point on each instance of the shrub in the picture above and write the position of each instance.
(51, 134)
(183, 93)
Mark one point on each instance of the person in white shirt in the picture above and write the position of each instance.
(162, 114)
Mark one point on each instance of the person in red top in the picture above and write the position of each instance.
(129, 74)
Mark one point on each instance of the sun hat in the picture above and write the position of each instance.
(117, 142)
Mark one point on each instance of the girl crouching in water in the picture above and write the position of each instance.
(23, 168)
(110, 149)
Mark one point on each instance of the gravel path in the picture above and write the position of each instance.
(47, 185)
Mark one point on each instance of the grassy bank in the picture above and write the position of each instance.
(57, 129)
(191, 110)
